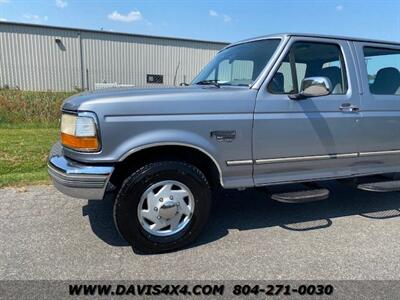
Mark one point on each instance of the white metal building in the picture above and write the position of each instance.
(41, 58)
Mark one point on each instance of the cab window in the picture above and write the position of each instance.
(309, 59)
(383, 68)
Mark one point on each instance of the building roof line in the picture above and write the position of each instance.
(111, 32)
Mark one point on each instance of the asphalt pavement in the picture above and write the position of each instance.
(352, 235)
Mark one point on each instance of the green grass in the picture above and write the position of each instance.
(29, 124)
(23, 154)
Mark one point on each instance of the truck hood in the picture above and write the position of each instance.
(147, 101)
(118, 94)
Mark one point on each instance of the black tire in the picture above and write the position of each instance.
(128, 198)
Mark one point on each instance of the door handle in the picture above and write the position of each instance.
(348, 107)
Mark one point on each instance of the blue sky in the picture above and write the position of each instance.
(223, 20)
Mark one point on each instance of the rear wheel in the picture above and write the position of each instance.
(162, 206)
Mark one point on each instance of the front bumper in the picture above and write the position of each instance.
(75, 179)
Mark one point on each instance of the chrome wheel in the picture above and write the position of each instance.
(165, 208)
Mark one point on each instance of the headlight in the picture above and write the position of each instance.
(79, 132)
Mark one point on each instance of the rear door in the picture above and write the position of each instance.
(308, 139)
(379, 142)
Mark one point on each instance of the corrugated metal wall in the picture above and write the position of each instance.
(32, 59)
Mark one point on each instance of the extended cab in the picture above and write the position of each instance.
(271, 110)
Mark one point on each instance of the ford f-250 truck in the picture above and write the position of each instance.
(284, 108)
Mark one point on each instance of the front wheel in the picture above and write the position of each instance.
(162, 206)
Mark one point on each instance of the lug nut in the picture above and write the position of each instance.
(161, 199)
(155, 209)
(171, 197)
(178, 204)
(158, 217)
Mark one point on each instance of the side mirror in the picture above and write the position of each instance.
(313, 87)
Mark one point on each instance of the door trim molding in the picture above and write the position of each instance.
(304, 158)
(386, 152)
(263, 161)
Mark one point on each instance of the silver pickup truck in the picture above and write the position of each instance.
(287, 108)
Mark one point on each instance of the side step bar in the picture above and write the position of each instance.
(301, 196)
(381, 187)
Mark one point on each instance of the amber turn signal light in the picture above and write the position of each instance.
(79, 143)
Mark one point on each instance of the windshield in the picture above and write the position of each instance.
(238, 65)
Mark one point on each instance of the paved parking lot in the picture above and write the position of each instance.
(353, 235)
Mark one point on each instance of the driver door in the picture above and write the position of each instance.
(313, 138)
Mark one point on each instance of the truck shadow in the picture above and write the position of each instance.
(253, 209)
(100, 214)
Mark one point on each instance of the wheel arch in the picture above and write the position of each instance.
(190, 153)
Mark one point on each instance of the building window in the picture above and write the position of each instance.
(153, 78)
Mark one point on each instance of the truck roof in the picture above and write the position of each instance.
(336, 37)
